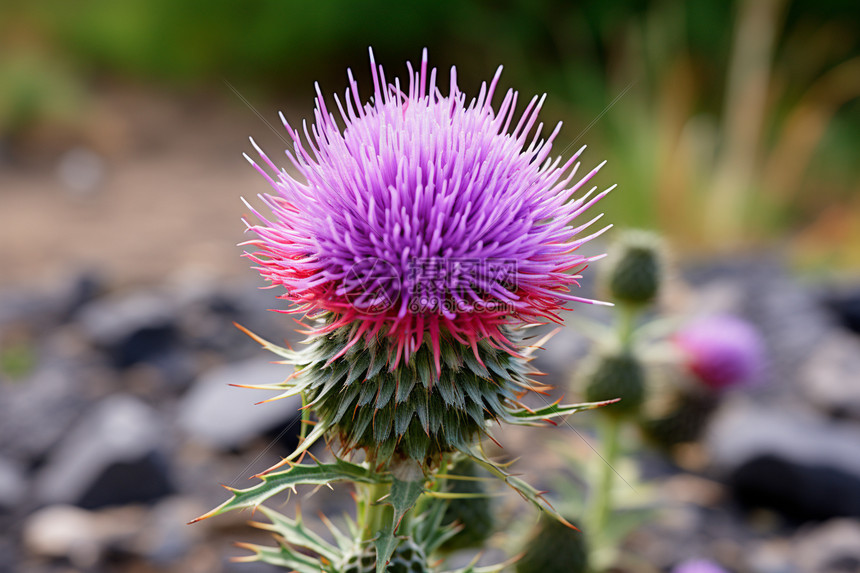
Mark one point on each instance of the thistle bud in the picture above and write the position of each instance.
(615, 375)
(474, 514)
(554, 548)
(635, 272)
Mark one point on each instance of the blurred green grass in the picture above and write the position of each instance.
(698, 153)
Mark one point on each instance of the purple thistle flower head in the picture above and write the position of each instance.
(723, 351)
(418, 214)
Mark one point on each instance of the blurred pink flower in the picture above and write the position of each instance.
(698, 566)
(723, 351)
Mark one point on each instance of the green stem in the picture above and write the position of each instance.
(377, 516)
(609, 428)
(627, 315)
(601, 506)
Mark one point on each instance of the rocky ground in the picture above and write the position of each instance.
(117, 422)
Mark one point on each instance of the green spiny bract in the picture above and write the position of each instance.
(554, 548)
(615, 375)
(408, 557)
(301, 549)
(408, 412)
(473, 514)
(635, 273)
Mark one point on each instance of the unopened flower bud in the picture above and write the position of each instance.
(554, 548)
(635, 272)
(474, 514)
(616, 375)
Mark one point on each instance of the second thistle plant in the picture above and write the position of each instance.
(420, 232)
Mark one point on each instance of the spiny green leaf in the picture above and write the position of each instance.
(344, 542)
(297, 474)
(556, 410)
(294, 532)
(281, 556)
(319, 430)
(385, 543)
(525, 490)
(403, 496)
(429, 531)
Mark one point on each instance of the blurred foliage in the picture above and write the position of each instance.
(17, 360)
(724, 122)
(34, 88)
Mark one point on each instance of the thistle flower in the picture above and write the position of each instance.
(419, 234)
(424, 214)
(722, 351)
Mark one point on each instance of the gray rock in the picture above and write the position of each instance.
(36, 412)
(166, 537)
(832, 547)
(844, 302)
(210, 307)
(116, 454)
(789, 460)
(43, 309)
(80, 536)
(112, 318)
(13, 484)
(226, 417)
(32, 308)
(831, 377)
(141, 328)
